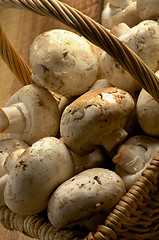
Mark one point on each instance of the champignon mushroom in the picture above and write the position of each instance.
(148, 9)
(98, 117)
(147, 110)
(143, 39)
(90, 192)
(115, 12)
(120, 29)
(95, 159)
(6, 147)
(40, 169)
(134, 156)
(63, 62)
(30, 114)
(101, 83)
(62, 101)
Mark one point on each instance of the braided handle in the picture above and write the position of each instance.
(95, 33)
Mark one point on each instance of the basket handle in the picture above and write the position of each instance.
(95, 33)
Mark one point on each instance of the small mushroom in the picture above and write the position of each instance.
(115, 12)
(148, 9)
(6, 147)
(40, 169)
(30, 114)
(98, 117)
(88, 193)
(143, 39)
(120, 29)
(101, 83)
(95, 159)
(62, 101)
(63, 62)
(134, 156)
(147, 110)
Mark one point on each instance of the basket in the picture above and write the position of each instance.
(136, 216)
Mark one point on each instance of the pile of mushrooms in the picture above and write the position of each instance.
(82, 134)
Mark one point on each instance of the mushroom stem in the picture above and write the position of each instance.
(134, 155)
(11, 119)
(111, 140)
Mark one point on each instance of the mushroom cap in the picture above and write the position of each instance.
(97, 113)
(6, 147)
(120, 29)
(147, 110)
(3, 182)
(40, 111)
(112, 15)
(143, 39)
(134, 156)
(86, 194)
(148, 9)
(119, 3)
(61, 60)
(101, 83)
(40, 169)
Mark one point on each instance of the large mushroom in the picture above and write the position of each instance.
(134, 156)
(63, 62)
(91, 192)
(30, 114)
(98, 117)
(143, 39)
(39, 170)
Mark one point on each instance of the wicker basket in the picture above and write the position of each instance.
(136, 216)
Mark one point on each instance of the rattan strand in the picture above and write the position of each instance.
(136, 219)
(35, 226)
(14, 61)
(96, 34)
(114, 224)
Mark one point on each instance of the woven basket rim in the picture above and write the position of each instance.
(142, 194)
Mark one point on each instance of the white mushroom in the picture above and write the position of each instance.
(62, 101)
(116, 12)
(6, 147)
(95, 159)
(30, 114)
(12, 160)
(101, 83)
(88, 193)
(148, 9)
(40, 169)
(63, 62)
(133, 157)
(98, 117)
(148, 113)
(142, 39)
(120, 29)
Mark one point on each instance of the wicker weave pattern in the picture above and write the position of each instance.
(137, 214)
(97, 35)
(35, 226)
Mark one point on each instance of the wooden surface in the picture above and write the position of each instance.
(22, 27)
